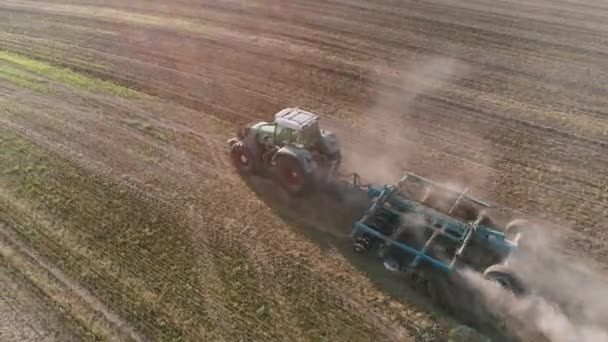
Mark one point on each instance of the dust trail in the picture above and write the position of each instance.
(390, 116)
(568, 302)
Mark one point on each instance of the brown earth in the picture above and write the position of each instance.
(129, 191)
(24, 314)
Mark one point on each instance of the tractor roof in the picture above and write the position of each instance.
(295, 118)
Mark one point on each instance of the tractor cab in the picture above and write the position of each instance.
(292, 126)
(299, 126)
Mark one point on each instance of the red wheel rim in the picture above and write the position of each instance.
(291, 176)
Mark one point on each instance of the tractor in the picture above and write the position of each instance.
(293, 148)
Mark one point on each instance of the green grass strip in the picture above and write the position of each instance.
(66, 76)
(21, 78)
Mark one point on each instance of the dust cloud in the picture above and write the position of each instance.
(568, 301)
(390, 117)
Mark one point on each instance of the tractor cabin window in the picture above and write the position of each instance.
(309, 136)
(283, 134)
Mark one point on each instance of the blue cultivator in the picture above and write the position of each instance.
(417, 223)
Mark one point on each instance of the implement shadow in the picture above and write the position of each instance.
(326, 220)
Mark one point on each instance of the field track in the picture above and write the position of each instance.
(116, 172)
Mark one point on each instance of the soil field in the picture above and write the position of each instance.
(124, 219)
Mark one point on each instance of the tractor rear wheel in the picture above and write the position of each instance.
(292, 175)
(243, 158)
(505, 277)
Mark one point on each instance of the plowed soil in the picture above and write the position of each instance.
(115, 172)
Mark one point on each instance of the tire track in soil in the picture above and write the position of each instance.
(14, 251)
(25, 315)
(132, 184)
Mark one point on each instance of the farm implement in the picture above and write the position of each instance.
(419, 224)
(416, 226)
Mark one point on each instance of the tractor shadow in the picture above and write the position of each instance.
(327, 220)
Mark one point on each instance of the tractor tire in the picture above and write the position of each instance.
(506, 278)
(244, 159)
(292, 176)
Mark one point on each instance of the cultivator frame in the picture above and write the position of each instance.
(393, 200)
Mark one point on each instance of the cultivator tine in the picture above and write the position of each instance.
(436, 233)
(458, 200)
(403, 179)
(372, 209)
(397, 232)
(387, 244)
(467, 238)
(427, 192)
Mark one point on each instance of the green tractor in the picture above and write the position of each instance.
(293, 147)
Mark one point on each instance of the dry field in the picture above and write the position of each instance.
(121, 217)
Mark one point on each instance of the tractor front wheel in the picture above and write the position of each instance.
(243, 158)
(292, 175)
